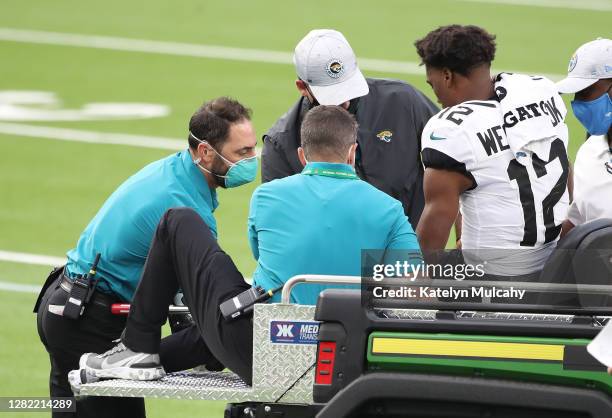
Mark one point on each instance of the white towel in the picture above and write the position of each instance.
(533, 112)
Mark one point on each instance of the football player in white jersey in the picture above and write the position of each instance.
(497, 153)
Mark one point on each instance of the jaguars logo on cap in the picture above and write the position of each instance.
(572, 63)
(384, 136)
(334, 68)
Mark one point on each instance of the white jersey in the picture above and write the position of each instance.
(592, 181)
(513, 208)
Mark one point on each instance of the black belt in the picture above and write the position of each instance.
(98, 297)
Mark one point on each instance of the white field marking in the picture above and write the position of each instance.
(201, 51)
(27, 288)
(37, 259)
(21, 288)
(78, 135)
(42, 260)
(23, 106)
(596, 5)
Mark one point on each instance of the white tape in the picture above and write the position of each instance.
(56, 309)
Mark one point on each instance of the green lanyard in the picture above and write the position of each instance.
(330, 173)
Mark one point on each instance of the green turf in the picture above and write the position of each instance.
(50, 189)
(29, 274)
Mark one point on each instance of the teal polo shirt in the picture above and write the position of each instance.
(123, 228)
(317, 222)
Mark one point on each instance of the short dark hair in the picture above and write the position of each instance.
(458, 48)
(212, 121)
(328, 132)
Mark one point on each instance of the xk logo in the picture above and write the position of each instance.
(284, 330)
(294, 332)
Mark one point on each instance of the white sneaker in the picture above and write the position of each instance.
(122, 363)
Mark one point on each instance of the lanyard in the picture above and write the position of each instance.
(330, 173)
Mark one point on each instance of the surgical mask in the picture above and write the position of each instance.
(594, 115)
(239, 173)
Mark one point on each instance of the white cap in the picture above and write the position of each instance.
(326, 62)
(591, 62)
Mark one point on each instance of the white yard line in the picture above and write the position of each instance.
(594, 5)
(36, 259)
(94, 137)
(20, 288)
(198, 50)
(28, 288)
(78, 135)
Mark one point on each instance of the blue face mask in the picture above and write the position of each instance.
(594, 115)
(239, 173)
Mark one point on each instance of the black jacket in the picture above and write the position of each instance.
(392, 163)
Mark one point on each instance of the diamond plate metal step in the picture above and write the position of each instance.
(279, 370)
(179, 385)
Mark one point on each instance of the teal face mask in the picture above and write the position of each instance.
(594, 115)
(239, 173)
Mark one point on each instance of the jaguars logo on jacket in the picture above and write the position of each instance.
(384, 136)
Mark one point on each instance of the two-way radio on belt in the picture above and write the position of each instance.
(83, 288)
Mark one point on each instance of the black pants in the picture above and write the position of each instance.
(186, 349)
(185, 254)
(65, 341)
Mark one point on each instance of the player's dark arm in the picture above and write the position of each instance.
(274, 164)
(442, 190)
(566, 226)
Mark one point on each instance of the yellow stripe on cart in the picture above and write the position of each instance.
(455, 348)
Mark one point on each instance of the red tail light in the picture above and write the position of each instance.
(325, 362)
(120, 308)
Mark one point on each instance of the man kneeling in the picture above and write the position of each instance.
(185, 255)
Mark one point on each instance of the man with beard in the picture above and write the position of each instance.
(325, 211)
(221, 153)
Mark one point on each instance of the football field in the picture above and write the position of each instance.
(90, 92)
